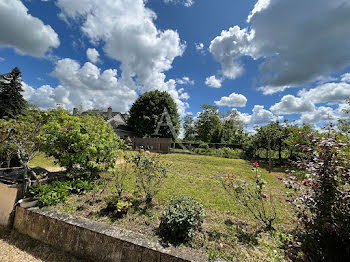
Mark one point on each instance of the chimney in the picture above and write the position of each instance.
(109, 113)
(75, 111)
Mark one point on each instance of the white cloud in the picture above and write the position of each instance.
(186, 3)
(259, 116)
(289, 37)
(212, 81)
(329, 92)
(320, 114)
(2, 59)
(233, 100)
(185, 81)
(228, 47)
(345, 78)
(199, 46)
(23, 32)
(93, 55)
(269, 90)
(128, 34)
(85, 85)
(290, 105)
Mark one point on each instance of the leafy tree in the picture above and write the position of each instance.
(22, 138)
(80, 143)
(208, 123)
(232, 128)
(12, 102)
(147, 111)
(188, 126)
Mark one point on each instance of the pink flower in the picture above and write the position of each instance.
(256, 164)
(148, 152)
(264, 196)
(255, 177)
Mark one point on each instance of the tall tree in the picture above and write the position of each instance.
(232, 128)
(147, 111)
(188, 126)
(208, 123)
(12, 102)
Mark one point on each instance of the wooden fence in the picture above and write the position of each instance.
(158, 145)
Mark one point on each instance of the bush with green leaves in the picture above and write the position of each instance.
(253, 197)
(120, 172)
(83, 143)
(58, 191)
(150, 172)
(180, 219)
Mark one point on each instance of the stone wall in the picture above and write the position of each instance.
(96, 241)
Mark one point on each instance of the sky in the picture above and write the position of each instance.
(264, 58)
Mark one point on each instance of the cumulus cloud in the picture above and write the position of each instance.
(85, 85)
(289, 38)
(185, 81)
(345, 78)
(320, 114)
(290, 105)
(23, 32)
(259, 116)
(229, 47)
(129, 35)
(93, 55)
(186, 3)
(212, 81)
(233, 100)
(329, 92)
(269, 90)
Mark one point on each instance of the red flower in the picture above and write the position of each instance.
(255, 177)
(256, 164)
(264, 196)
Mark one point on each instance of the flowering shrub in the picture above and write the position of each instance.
(180, 219)
(323, 206)
(120, 172)
(253, 197)
(150, 171)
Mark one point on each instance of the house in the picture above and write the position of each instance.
(117, 120)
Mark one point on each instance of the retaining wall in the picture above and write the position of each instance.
(96, 241)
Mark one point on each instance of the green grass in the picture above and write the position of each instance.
(41, 160)
(228, 230)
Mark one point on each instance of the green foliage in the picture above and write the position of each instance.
(208, 123)
(146, 111)
(323, 205)
(225, 152)
(58, 191)
(84, 143)
(253, 198)
(180, 219)
(150, 172)
(120, 172)
(12, 102)
(189, 130)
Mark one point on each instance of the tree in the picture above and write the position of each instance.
(232, 128)
(12, 102)
(22, 137)
(208, 123)
(188, 126)
(147, 111)
(80, 143)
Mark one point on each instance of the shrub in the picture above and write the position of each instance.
(180, 219)
(253, 197)
(58, 191)
(80, 143)
(323, 207)
(120, 172)
(150, 171)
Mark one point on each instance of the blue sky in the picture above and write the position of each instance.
(264, 58)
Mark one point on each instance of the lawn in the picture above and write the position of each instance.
(228, 230)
